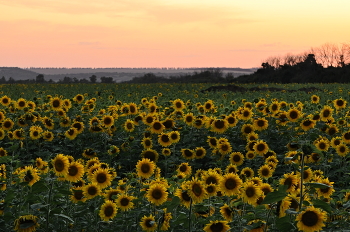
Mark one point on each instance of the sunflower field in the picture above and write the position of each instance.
(168, 157)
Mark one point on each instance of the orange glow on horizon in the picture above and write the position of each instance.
(155, 33)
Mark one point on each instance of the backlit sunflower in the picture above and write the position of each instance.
(236, 158)
(145, 168)
(164, 140)
(217, 226)
(91, 190)
(311, 219)
(129, 125)
(148, 223)
(265, 171)
(108, 210)
(230, 184)
(26, 223)
(261, 147)
(75, 171)
(60, 165)
(293, 114)
(250, 192)
(157, 194)
(187, 153)
(124, 202)
(102, 178)
(326, 113)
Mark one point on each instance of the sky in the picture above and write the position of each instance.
(165, 33)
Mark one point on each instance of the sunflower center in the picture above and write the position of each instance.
(157, 126)
(261, 123)
(92, 190)
(211, 180)
(265, 172)
(188, 153)
(224, 147)
(124, 201)
(145, 168)
(309, 218)
(246, 113)
(165, 138)
(28, 177)
(322, 145)
(210, 189)
(21, 103)
(150, 155)
(59, 165)
(197, 190)
(7, 124)
(247, 129)
(73, 170)
(260, 147)
(199, 153)
(56, 103)
(129, 126)
(78, 195)
(288, 182)
(293, 115)
(230, 184)
(307, 123)
(236, 158)
(325, 190)
(347, 135)
(101, 178)
(189, 119)
(185, 196)
(108, 211)
(217, 227)
(250, 191)
(326, 113)
(219, 124)
(178, 105)
(107, 121)
(183, 168)
(157, 194)
(149, 223)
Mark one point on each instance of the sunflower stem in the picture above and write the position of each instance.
(301, 180)
(48, 202)
(189, 217)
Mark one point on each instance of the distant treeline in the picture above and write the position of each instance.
(41, 79)
(306, 71)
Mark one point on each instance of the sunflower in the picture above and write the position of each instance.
(113, 150)
(147, 143)
(236, 158)
(247, 129)
(293, 114)
(212, 141)
(157, 127)
(290, 180)
(89, 153)
(19, 134)
(145, 168)
(187, 153)
(79, 98)
(315, 99)
(231, 168)
(129, 125)
(200, 152)
(166, 220)
(5, 100)
(252, 136)
(150, 154)
(230, 184)
(260, 124)
(265, 171)
(178, 104)
(78, 125)
(26, 223)
(226, 212)
(307, 124)
(20, 104)
(339, 104)
(211, 177)
(3, 152)
(77, 195)
(71, 133)
(166, 151)
(346, 137)
(35, 132)
(124, 202)
(2, 134)
(157, 194)
(107, 120)
(219, 126)
(111, 194)
(250, 192)
(217, 226)
(75, 171)
(185, 198)
(91, 190)
(266, 188)
(60, 165)
(56, 103)
(247, 172)
(108, 210)
(327, 191)
(102, 178)
(7, 124)
(261, 147)
(342, 150)
(184, 168)
(148, 223)
(250, 155)
(29, 175)
(311, 219)
(322, 144)
(224, 147)
(245, 114)
(174, 136)
(196, 190)
(326, 113)
(164, 140)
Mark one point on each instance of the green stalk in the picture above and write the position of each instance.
(301, 180)
(189, 217)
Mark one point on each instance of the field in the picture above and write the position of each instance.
(168, 157)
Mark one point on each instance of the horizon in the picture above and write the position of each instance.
(180, 34)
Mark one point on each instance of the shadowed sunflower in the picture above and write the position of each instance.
(60, 165)
(29, 175)
(226, 212)
(217, 226)
(157, 194)
(236, 158)
(326, 192)
(250, 192)
(311, 219)
(75, 172)
(145, 168)
(91, 190)
(108, 210)
(200, 152)
(184, 168)
(266, 188)
(230, 184)
(187, 153)
(26, 223)
(148, 223)
(185, 198)
(150, 154)
(326, 113)
(290, 180)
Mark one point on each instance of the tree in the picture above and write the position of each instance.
(93, 79)
(107, 80)
(40, 78)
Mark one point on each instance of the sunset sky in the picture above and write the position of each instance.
(165, 33)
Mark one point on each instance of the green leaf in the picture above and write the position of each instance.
(253, 226)
(318, 185)
(64, 216)
(10, 195)
(37, 206)
(39, 187)
(322, 205)
(284, 224)
(276, 196)
(5, 159)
